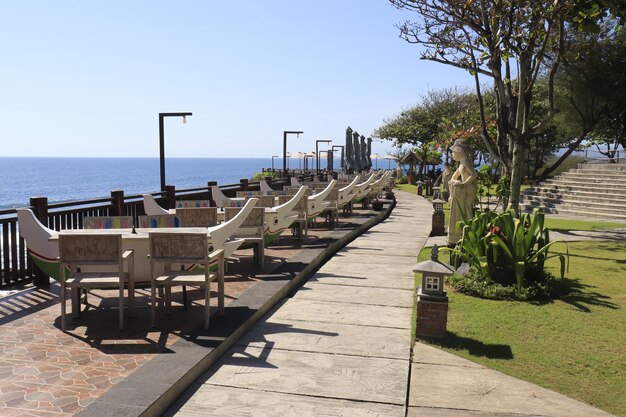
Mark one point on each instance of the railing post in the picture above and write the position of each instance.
(170, 196)
(40, 208)
(117, 203)
(268, 180)
(244, 184)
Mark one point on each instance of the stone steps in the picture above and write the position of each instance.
(593, 190)
(590, 191)
(581, 196)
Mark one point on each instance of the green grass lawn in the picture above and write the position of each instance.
(575, 345)
(567, 225)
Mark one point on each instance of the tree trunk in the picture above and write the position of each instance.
(563, 157)
(516, 174)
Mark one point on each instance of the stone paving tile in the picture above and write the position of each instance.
(343, 275)
(320, 337)
(363, 315)
(236, 402)
(320, 291)
(314, 374)
(489, 391)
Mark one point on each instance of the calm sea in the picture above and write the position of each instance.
(66, 179)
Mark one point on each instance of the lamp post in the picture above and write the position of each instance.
(342, 149)
(162, 141)
(285, 133)
(317, 154)
(273, 156)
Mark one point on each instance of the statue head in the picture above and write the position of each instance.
(461, 146)
(461, 150)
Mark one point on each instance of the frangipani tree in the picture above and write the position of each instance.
(512, 44)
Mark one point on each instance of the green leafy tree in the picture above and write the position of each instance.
(512, 44)
(440, 116)
(590, 92)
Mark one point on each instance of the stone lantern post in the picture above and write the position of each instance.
(432, 301)
(439, 218)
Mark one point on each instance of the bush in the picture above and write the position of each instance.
(261, 175)
(402, 180)
(549, 287)
(509, 251)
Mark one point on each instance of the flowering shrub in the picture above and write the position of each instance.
(508, 250)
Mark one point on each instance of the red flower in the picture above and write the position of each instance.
(495, 230)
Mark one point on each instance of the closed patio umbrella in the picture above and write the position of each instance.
(349, 152)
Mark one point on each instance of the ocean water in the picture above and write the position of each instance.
(67, 179)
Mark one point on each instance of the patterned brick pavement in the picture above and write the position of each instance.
(45, 372)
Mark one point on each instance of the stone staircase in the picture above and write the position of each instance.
(592, 190)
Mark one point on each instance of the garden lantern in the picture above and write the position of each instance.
(436, 192)
(420, 187)
(439, 218)
(432, 301)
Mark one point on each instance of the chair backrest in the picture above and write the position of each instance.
(333, 195)
(165, 220)
(81, 249)
(265, 201)
(197, 216)
(223, 231)
(243, 194)
(254, 219)
(108, 222)
(192, 203)
(299, 206)
(294, 191)
(252, 225)
(179, 247)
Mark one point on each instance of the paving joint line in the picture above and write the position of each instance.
(356, 400)
(325, 353)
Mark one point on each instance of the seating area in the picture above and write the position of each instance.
(94, 341)
(189, 245)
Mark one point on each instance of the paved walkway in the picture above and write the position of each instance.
(341, 347)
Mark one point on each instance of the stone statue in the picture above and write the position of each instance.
(445, 179)
(462, 187)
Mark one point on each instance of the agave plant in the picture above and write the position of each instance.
(517, 244)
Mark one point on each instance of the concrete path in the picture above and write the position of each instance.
(341, 347)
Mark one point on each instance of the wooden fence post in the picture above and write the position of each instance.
(117, 203)
(244, 184)
(40, 208)
(209, 185)
(170, 196)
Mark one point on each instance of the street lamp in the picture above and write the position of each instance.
(341, 160)
(273, 156)
(317, 154)
(162, 141)
(285, 133)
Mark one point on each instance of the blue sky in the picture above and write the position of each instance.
(85, 78)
